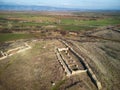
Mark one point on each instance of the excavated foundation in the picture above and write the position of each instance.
(73, 63)
(14, 51)
(69, 62)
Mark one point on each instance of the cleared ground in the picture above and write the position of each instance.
(95, 36)
(38, 69)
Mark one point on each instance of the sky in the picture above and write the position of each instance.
(81, 4)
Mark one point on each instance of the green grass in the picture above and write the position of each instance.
(68, 21)
(70, 24)
(57, 86)
(101, 22)
(11, 36)
(76, 27)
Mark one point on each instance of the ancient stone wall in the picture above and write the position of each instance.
(14, 51)
(62, 62)
(89, 70)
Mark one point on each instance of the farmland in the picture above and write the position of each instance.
(35, 21)
(68, 50)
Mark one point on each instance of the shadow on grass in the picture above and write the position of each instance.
(57, 86)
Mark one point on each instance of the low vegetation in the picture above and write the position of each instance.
(11, 36)
(93, 35)
(12, 23)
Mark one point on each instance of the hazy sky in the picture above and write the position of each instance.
(83, 4)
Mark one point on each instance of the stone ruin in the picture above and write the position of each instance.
(11, 52)
(71, 67)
